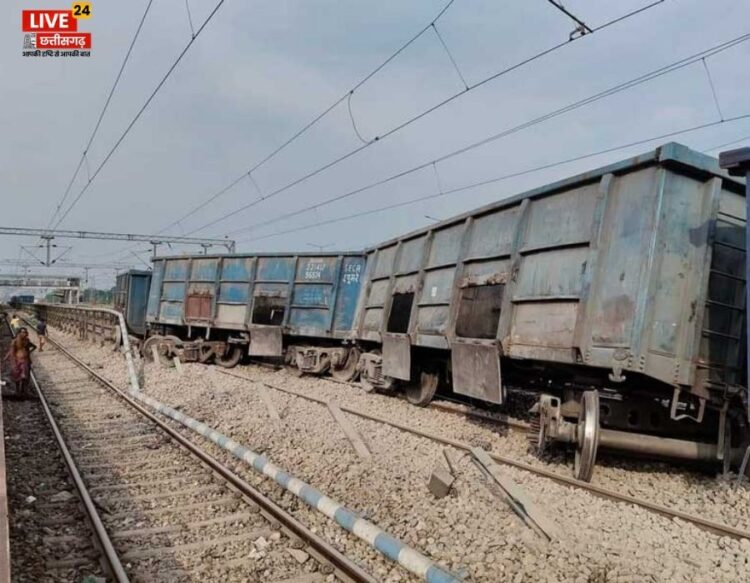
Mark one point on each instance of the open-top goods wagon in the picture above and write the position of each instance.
(617, 295)
(615, 298)
(263, 304)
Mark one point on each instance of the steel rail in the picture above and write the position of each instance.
(4, 522)
(703, 523)
(449, 406)
(344, 566)
(461, 409)
(112, 565)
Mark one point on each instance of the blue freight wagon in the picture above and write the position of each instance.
(131, 298)
(22, 300)
(618, 295)
(264, 304)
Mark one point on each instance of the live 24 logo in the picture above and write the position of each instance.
(54, 33)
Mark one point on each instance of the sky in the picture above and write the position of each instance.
(261, 71)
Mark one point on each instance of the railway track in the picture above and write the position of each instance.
(441, 403)
(161, 508)
(715, 527)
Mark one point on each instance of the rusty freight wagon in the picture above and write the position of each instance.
(615, 296)
(218, 307)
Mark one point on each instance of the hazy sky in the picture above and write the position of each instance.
(261, 70)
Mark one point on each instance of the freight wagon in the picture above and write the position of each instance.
(21, 300)
(131, 298)
(617, 295)
(267, 305)
(615, 298)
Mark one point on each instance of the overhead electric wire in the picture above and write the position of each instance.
(406, 123)
(140, 112)
(725, 144)
(661, 71)
(585, 28)
(103, 111)
(345, 97)
(496, 179)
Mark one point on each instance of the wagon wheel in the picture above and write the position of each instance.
(231, 356)
(421, 392)
(147, 344)
(165, 349)
(173, 340)
(588, 437)
(205, 353)
(347, 371)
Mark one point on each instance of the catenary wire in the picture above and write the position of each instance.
(585, 28)
(140, 112)
(346, 97)
(670, 68)
(408, 122)
(725, 144)
(101, 114)
(501, 178)
(239, 178)
(304, 129)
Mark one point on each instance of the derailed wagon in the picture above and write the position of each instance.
(131, 296)
(266, 305)
(616, 295)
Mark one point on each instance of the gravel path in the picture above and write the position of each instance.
(472, 529)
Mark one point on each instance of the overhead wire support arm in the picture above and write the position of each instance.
(103, 236)
(71, 264)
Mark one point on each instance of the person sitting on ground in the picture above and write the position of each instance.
(41, 330)
(19, 355)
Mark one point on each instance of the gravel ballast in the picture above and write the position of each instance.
(471, 529)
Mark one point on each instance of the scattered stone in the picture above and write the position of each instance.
(62, 496)
(299, 556)
(441, 481)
